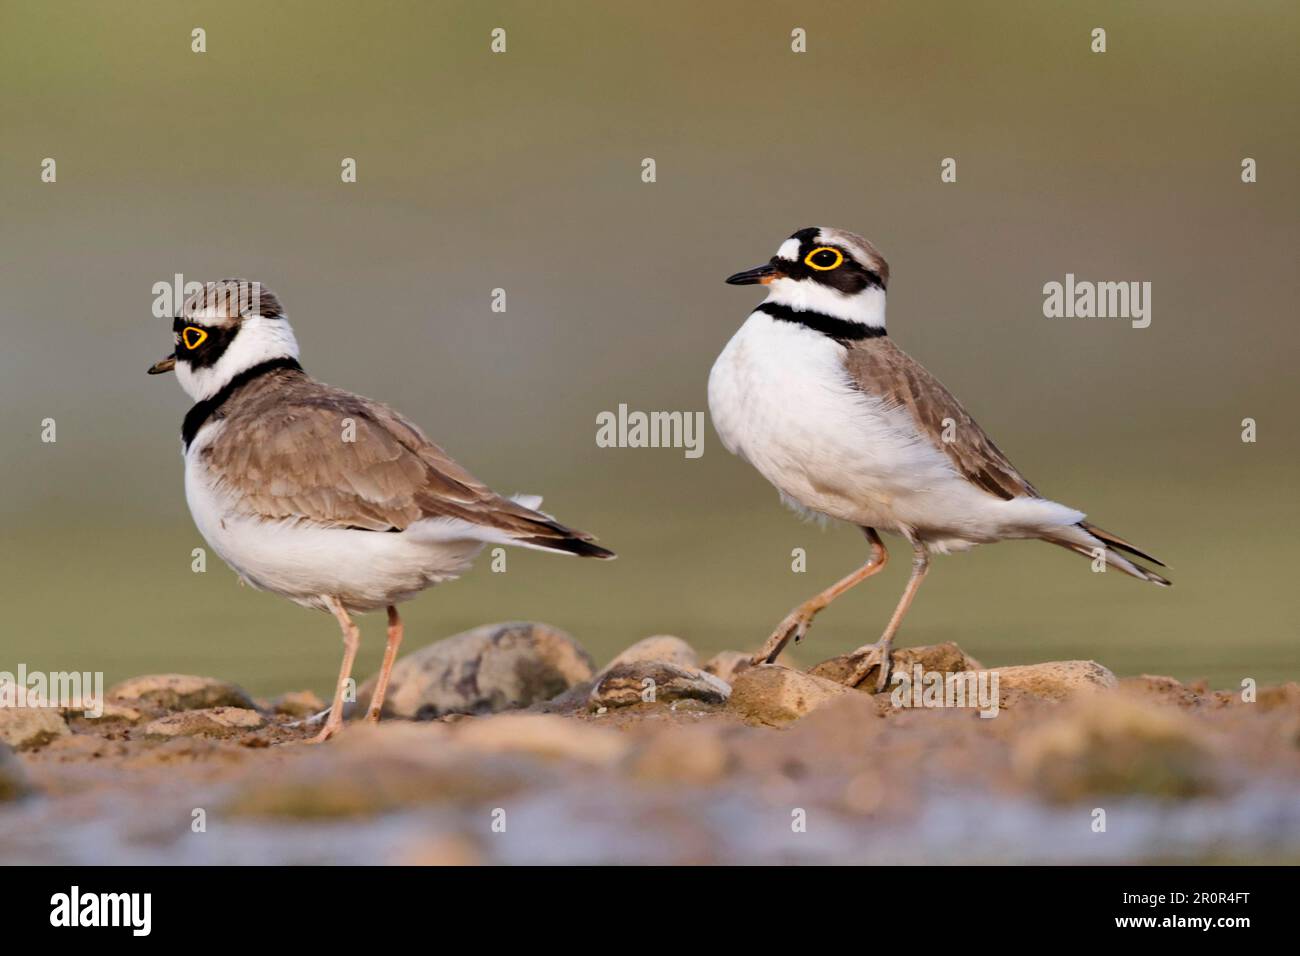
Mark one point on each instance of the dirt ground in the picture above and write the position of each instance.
(720, 763)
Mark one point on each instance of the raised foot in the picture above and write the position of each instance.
(794, 626)
(871, 657)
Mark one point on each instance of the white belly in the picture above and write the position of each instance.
(366, 570)
(781, 398)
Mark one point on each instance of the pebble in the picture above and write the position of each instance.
(774, 694)
(297, 703)
(486, 670)
(208, 722)
(727, 664)
(27, 728)
(663, 648)
(1056, 680)
(178, 692)
(655, 682)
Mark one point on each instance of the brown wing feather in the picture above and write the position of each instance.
(282, 455)
(880, 368)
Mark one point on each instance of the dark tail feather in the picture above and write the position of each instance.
(1115, 541)
(537, 529)
(1084, 540)
(580, 546)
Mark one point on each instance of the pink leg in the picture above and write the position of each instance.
(796, 623)
(877, 654)
(390, 655)
(351, 641)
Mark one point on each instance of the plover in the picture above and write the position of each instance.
(332, 500)
(812, 393)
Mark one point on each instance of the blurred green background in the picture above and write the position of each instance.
(522, 171)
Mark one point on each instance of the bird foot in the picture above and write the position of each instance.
(329, 730)
(794, 626)
(871, 657)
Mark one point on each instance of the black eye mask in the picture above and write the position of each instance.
(848, 277)
(199, 346)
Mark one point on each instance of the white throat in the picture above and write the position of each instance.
(258, 340)
(867, 307)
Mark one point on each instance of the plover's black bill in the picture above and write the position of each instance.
(756, 276)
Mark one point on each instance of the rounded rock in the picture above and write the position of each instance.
(1056, 680)
(27, 728)
(660, 647)
(773, 694)
(655, 682)
(489, 669)
(209, 722)
(173, 692)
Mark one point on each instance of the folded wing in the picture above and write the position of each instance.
(305, 451)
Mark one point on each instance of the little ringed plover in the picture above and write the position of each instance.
(332, 500)
(813, 393)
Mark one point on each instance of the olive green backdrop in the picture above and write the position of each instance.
(522, 171)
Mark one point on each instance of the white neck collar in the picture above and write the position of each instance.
(866, 308)
(258, 340)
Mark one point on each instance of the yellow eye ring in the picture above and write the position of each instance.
(199, 337)
(839, 259)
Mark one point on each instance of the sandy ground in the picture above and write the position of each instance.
(660, 759)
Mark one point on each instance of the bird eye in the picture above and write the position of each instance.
(193, 337)
(824, 259)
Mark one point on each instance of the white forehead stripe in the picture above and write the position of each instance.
(789, 250)
(208, 317)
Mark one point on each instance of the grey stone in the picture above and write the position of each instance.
(658, 682)
(491, 668)
(660, 647)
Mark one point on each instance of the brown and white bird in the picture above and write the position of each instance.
(812, 393)
(332, 500)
